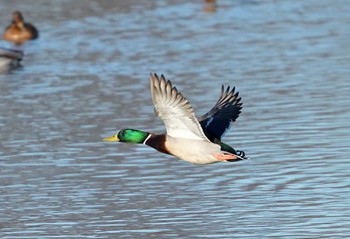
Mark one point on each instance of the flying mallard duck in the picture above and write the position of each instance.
(19, 31)
(194, 140)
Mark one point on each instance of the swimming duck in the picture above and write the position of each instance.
(19, 31)
(194, 140)
(9, 59)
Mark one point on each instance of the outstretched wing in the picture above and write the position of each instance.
(175, 110)
(217, 121)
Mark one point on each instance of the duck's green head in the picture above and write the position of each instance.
(129, 136)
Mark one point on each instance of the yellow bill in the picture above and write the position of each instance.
(113, 138)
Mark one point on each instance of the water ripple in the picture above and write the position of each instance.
(82, 80)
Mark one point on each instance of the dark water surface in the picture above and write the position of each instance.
(87, 76)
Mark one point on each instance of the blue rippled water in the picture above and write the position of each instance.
(87, 76)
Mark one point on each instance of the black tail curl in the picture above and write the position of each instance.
(241, 156)
(240, 153)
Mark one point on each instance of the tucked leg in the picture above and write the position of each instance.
(225, 156)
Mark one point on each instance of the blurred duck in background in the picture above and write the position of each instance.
(20, 31)
(210, 5)
(10, 59)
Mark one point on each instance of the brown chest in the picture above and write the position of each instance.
(157, 141)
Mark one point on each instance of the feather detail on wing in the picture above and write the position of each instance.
(218, 120)
(175, 110)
